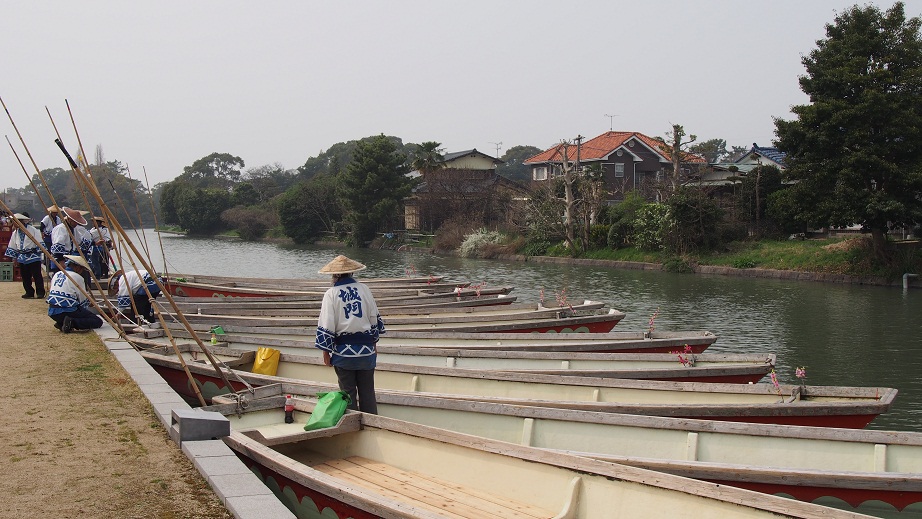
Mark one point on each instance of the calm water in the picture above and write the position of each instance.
(845, 335)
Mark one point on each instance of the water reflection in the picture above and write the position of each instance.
(844, 334)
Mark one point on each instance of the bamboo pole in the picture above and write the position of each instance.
(29, 154)
(153, 210)
(147, 266)
(111, 217)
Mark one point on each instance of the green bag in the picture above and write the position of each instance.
(330, 408)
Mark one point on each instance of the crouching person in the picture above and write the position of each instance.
(131, 289)
(67, 299)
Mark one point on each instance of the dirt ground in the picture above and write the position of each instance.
(79, 438)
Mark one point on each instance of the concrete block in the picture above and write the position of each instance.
(220, 466)
(206, 449)
(238, 485)
(195, 425)
(258, 507)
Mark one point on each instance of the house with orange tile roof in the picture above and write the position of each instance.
(630, 161)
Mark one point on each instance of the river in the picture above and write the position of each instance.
(844, 335)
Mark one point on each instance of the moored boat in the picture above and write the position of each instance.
(726, 368)
(298, 340)
(554, 321)
(289, 309)
(374, 466)
(825, 406)
(844, 467)
(190, 289)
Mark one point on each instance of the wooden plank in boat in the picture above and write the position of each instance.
(428, 492)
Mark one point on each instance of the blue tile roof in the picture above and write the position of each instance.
(770, 153)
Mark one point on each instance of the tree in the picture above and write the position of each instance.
(427, 157)
(310, 208)
(676, 150)
(372, 188)
(331, 160)
(855, 152)
(269, 180)
(513, 166)
(251, 223)
(713, 150)
(244, 194)
(199, 210)
(220, 170)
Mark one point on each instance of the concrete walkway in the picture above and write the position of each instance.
(244, 495)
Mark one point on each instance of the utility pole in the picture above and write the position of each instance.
(579, 141)
(610, 117)
(497, 144)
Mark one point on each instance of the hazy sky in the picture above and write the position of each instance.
(161, 84)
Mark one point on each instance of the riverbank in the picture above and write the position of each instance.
(792, 275)
(81, 440)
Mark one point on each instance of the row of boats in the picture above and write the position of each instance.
(479, 416)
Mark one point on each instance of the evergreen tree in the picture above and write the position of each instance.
(372, 189)
(855, 151)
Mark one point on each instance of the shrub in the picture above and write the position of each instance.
(651, 225)
(598, 236)
(535, 248)
(477, 241)
(677, 265)
(743, 263)
(451, 234)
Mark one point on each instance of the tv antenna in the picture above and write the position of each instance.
(497, 144)
(610, 118)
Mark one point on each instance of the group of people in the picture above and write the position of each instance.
(63, 234)
(348, 327)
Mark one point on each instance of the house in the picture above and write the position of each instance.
(629, 161)
(725, 173)
(467, 184)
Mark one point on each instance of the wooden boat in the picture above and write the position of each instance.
(288, 309)
(526, 321)
(374, 466)
(611, 342)
(843, 466)
(207, 304)
(185, 288)
(211, 279)
(826, 406)
(725, 368)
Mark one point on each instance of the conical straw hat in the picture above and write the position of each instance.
(78, 260)
(53, 209)
(19, 216)
(74, 215)
(341, 265)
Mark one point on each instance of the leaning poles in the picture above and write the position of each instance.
(87, 180)
(153, 211)
(111, 218)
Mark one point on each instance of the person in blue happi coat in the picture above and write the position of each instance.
(24, 249)
(347, 332)
(68, 302)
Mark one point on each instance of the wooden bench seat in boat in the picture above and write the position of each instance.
(446, 498)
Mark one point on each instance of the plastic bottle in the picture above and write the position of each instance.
(214, 338)
(289, 409)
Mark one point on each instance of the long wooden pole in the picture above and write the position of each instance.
(87, 180)
(23, 142)
(31, 183)
(153, 210)
(147, 266)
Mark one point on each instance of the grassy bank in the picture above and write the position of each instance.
(852, 256)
